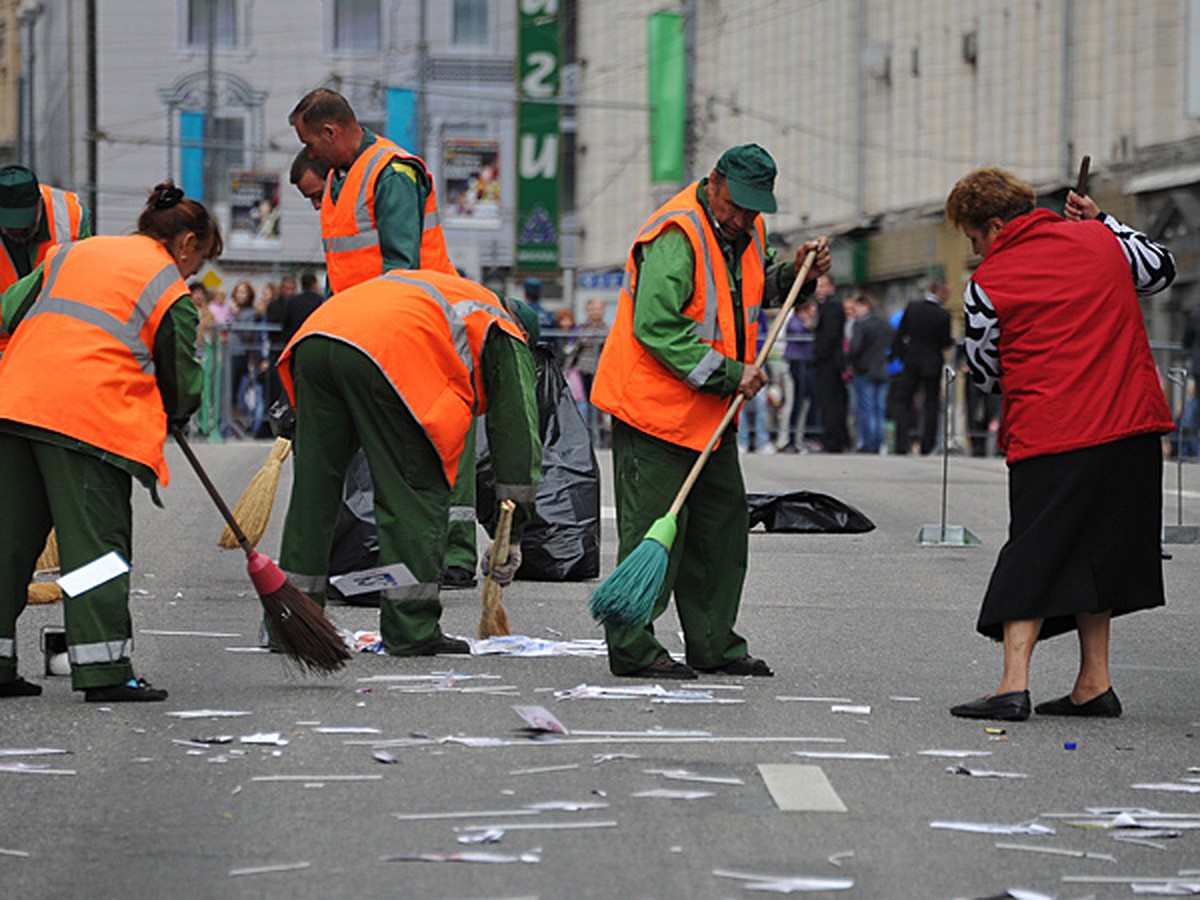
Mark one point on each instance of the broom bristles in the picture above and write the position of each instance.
(253, 509)
(493, 620)
(49, 557)
(627, 596)
(302, 632)
(41, 592)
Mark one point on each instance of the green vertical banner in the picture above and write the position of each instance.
(667, 68)
(538, 52)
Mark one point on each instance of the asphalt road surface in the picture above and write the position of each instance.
(871, 637)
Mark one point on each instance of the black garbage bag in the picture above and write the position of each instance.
(355, 541)
(562, 543)
(806, 512)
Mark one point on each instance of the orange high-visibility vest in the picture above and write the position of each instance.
(425, 331)
(348, 230)
(630, 383)
(81, 362)
(64, 216)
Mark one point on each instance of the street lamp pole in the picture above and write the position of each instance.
(28, 12)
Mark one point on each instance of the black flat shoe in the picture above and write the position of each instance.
(1102, 706)
(663, 667)
(1010, 707)
(19, 687)
(136, 690)
(457, 578)
(747, 665)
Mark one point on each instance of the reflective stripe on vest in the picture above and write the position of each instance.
(99, 652)
(310, 584)
(8, 648)
(462, 514)
(127, 332)
(429, 590)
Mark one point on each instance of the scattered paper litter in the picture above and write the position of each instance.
(208, 713)
(835, 754)
(382, 756)
(566, 805)
(854, 709)
(31, 751)
(346, 729)
(993, 828)
(317, 778)
(905, 699)
(540, 826)
(27, 769)
(982, 773)
(267, 870)
(474, 814)
(1168, 786)
(838, 858)
(205, 634)
(668, 794)
(522, 645)
(786, 884)
(638, 692)
(955, 754)
(539, 718)
(685, 775)
(1177, 889)
(467, 856)
(1056, 851)
(786, 699)
(270, 738)
(490, 836)
(22, 853)
(542, 770)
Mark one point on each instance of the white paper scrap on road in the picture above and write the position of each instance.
(954, 754)
(378, 579)
(787, 699)
(346, 729)
(209, 713)
(93, 574)
(854, 709)
(685, 775)
(21, 853)
(637, 692)
(540, 826)
(993, 827)
(540, 719)
(982, 773)
(835, 754)
(786, 884)
(1056, 851)
(28, 769)
(31, 751)
(522, 645)
(1177, 889)
(481, 814)
(473, 856)
(800, 788)
(489, 836)
(314, 779)
(204, 634)
(269, 870)
(543, 770)
(1168, 786)
(268, 738)
(567, 805)
(668, 794)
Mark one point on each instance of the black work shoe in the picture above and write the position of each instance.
(1105, 706)
(1010, 707)
(747, 665)
(663, 667)
(441, 645)
(19, 687)
(135, 690)
(456, 577)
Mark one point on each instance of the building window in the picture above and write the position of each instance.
(471, 22)
(221, 16)
(357, 26)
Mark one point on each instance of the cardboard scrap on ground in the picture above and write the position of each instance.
(800, 788)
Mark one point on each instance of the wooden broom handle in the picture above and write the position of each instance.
(1081, 182)
(226, 514)
(500, 547)
(740, 398)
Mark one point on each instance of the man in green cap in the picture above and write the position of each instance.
(33, 218)
(683, 344)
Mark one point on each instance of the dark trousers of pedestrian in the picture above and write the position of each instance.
(804, 390)
(831, 395)
(912, 387)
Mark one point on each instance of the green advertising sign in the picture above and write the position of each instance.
(538, 54)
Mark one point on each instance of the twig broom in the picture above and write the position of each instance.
(493, 620)
(253, 509)
(297, 623)
(46, 591)
(627, 596)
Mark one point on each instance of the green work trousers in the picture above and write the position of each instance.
(88, 501)
(707, 563)
(460, 540)
(343, 401)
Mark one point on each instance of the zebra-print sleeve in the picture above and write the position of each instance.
(982, 339)
(1151, 264)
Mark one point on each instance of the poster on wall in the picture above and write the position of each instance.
(471, 169)
(254, 211)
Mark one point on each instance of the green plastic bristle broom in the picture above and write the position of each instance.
(626, 597)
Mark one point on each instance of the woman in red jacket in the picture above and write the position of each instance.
(1054, 322)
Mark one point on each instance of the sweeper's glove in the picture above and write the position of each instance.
(503, 574)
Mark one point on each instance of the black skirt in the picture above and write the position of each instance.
(1084, 537)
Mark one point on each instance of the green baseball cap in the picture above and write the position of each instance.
(750, 173)
(524, 315)
(19, 197)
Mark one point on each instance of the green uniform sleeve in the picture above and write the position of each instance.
(509, 377)
(18, 298)
(178, 372)
(85, 222)
(400, 193)
(664, 286)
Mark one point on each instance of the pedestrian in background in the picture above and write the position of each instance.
(1053, 318)
(870, 341)
(798, 354)
(681, 347)
(829, 361)
(400, 365)
(584, 357)
(102, 359)
(921, 342)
